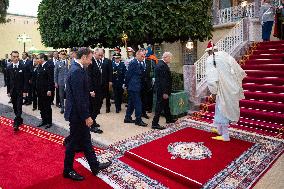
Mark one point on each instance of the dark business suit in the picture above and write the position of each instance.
(147, 88)
(117, 82)
(28, 64)
(34, 78)
(55, 92)
(163, 85)
(107, 70)
(133, 82)
(17, 84)
(6, 63)
(45, 83)
(76, 112)
(97, 82)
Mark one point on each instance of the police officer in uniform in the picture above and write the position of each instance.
(118, 76)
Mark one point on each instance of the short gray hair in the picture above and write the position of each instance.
(166, 54)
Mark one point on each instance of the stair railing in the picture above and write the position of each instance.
(236, 13)
(228, 43)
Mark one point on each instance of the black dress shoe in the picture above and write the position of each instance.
(129, 121)
(141, 123)
(16, 127)
(101, 167)
(116, 111)
(96, 130)
(158, 127)
(34, 109)
(48, 126)
(28, 103)
(10, 101)
(42, 124)
(73, 175)
(62, 111)
(145, 116)
(171, 121)
(107, 110)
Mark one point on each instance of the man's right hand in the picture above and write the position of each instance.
(89, 121)
(93, 94)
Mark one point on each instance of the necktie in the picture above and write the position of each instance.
(99, 65)
(15, 66)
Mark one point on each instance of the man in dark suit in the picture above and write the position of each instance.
(77, 113)
(119, 70)
(97, 81)
(163, 84)
(28, 64)
(45, 86)
(107, 66)
(133, 82)
(17, 83)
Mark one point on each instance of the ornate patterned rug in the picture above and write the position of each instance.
(185, 156)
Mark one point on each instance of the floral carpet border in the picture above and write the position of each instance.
(243, 172)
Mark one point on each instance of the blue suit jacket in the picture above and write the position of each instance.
(133, 76)
(77, 94)
(118, 74)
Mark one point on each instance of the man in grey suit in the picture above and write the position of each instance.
(60, 74)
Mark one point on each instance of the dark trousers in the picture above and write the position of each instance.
(79, 136)
(61, 90)
(44, 105)
(147, 100)
(134, 103)
(107, 95)
(266, 30)
(161, 104)
(29, 98)
(118, 93)
(17, 101)
(96, 105)
(5, 76)
(34, 98)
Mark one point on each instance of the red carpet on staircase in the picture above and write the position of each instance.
(33, 158)
(262, 110)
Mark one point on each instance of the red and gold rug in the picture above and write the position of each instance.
(185, 156)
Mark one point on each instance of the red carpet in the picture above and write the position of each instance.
(184, 156)
(33, 158)
(263, 109)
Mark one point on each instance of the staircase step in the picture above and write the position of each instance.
(264, 88)
(257, 105)
(270, 46)
(265, 80)
(271, 43)
(278, 51)
(267, 67)
(264, 96)
(266, 56)
(254, 120)
(260, 73)
(264, 61)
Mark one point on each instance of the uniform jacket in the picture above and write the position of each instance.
(118, 73)
(60, 72)
(133, 76)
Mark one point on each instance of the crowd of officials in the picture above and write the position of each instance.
(85, 80)
(39, 80)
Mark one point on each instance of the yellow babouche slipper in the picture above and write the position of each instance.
(214, 130)
(220, 138)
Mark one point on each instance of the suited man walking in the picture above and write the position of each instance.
(45, 86)
(17, 83)
(107, 70)
(28, 64)
(60, 74)
(163, 84)
(97, 82)
(133, 83)
(77, 113)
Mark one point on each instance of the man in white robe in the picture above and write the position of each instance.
(224, 79)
